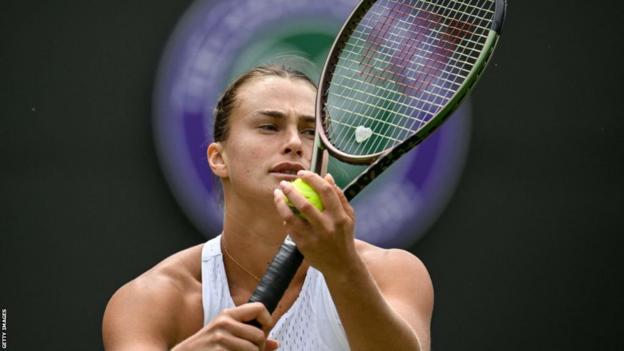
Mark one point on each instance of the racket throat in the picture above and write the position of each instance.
(320, 157)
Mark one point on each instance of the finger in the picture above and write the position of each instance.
(271, 345)
(248, 332)
(346, 205)
(282, 207)
(311, 213)
(293, 224)
(252, 311)
(301, 238)
(330, 178)
(231, 342)
(325, 190)
(291, 220)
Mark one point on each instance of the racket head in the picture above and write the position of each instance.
(398, 69)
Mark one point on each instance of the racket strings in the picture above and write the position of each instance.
(426, 78)
(414, 36)
(401, 104)
(403, 62)
(422, 22)
(351, 47)
(475, 51)
(384, 24)
(432, 49)
(442, 87)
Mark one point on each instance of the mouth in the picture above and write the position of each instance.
(287, 170)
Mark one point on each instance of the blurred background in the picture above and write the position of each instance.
(523, 251)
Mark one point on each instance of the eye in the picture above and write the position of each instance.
(268, 127)
(309, 132)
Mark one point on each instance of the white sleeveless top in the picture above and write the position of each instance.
(311, 323)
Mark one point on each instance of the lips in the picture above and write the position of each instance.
(288, 168)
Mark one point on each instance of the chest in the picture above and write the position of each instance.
(241, 296)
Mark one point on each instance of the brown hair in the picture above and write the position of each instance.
(226, 102)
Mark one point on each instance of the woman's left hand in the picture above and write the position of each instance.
(325, 238)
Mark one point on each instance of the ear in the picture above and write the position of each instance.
(217, 160)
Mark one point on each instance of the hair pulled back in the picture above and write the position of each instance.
(226, 102)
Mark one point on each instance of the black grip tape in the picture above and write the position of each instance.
(277, 278)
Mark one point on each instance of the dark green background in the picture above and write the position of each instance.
(526, 256)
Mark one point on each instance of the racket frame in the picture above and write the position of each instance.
(323, 143)
(286, 262)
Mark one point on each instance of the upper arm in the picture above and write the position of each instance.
(406, 286)
(139, 316)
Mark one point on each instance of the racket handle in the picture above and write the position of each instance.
(277, 278)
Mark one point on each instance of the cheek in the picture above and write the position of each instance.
(308, 148)
(245, 158)
(255, 152)
(252, 160)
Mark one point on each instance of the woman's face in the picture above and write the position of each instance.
(271, 135)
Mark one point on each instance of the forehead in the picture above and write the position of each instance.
(276, 93)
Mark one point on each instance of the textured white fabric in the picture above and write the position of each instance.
(311, 323)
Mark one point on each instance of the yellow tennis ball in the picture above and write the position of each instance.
(308, 192)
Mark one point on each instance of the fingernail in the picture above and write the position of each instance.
(284, 184)
(300, 173)
(331, 178)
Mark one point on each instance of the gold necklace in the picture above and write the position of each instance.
(238, 264)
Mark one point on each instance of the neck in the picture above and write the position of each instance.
(255, 230)
(252, 235)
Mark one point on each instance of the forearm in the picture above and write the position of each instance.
(369, 321)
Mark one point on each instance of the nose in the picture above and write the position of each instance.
(293, 144)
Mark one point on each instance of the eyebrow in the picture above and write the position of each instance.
(279, 114)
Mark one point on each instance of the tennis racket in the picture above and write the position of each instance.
(396, 71)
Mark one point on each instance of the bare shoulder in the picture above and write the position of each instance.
(147, 311)
(405, 284)
(395, 269)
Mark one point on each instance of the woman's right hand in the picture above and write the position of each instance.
(228, 331)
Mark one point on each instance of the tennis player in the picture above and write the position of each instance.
(347, 294)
